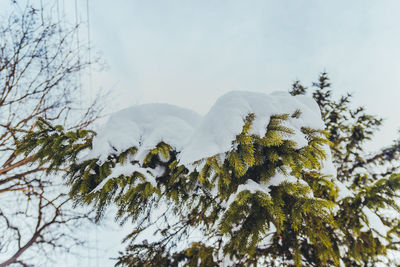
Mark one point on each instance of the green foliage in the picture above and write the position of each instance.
(290, 206)
(56, 147)
(299, 221)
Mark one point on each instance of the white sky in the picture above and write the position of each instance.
(189, 53)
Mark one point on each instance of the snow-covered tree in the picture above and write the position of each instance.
(250, 183)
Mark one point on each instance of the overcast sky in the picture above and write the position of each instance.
(190, 52)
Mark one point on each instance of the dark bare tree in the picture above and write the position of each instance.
(40, 65)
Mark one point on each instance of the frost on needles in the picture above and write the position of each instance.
(251, 182)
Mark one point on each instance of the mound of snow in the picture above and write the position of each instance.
(144, 126)
(196, 137)
(224, 121)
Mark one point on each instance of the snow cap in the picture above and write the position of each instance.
(196, 137)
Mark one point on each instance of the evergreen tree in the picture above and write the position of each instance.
(373, 179)
(305, 220)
